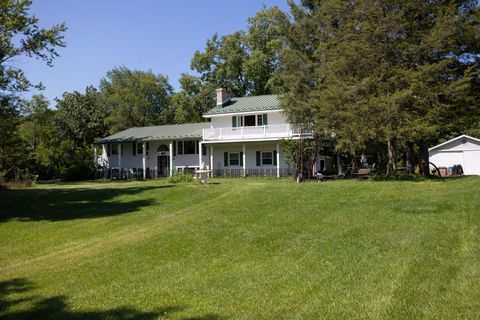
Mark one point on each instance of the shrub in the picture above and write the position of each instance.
(180, 178)
(401, 176)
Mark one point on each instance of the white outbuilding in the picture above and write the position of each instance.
(463, 150)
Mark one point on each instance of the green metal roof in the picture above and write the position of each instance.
(167, 132)
(246, 104)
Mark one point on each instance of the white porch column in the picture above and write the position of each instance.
(170, 149)
(278, 160)
(211, 160)
(144, 159)
(244, 160)
(120, 176)
(339, 166)
(200, 145)
(95, 156)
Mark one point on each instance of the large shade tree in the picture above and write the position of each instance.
(20, 36)
(389, 72)
(136, 98)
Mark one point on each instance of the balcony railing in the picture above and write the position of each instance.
(280, 131)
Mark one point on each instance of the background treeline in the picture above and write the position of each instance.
(386, 78)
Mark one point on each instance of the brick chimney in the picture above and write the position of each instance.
(222, 96)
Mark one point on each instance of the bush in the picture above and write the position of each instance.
(180, 178)
(79, 166)
(17, 178)
(401, 176)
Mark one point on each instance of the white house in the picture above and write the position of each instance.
(241, 139)
(463, 150)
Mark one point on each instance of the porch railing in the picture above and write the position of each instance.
(281, 131)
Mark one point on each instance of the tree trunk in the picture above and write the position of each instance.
(391, 166)
(409, 156)
(299, 159)
(425, 162)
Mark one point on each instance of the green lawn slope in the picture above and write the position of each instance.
(241, 249)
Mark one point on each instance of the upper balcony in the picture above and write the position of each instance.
(269, 132)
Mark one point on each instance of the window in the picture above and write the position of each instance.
(180, 147)
(259, 120)
(267, 158)
(249, 121)
(114, 149)
(162, 148)
(234, 159)
(139, 148)
(189, 147)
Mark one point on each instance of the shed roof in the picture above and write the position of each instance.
(463, 136)
(246, 104)
(167, 132)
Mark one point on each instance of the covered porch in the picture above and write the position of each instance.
(244, 159)
(148, 159)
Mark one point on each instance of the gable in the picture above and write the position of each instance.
(460, 143)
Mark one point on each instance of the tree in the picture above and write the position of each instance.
(193, 100)
(383, 72)
(20, 35)
(37, 120)
(244, 62)
(81, 117)
(136, 98)
(11, 152)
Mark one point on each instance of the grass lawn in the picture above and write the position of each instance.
(241, 248)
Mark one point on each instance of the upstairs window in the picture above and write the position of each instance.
(259, 120)
(249, 121)
(255, 120)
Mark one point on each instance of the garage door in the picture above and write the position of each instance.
(471, 161)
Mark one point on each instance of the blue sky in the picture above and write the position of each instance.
(144, 34)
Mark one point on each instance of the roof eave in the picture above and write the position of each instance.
(452, 140)
(240, 113)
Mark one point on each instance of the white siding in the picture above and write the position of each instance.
(446, 159)
(471, 162)
(250, 155)
(225, 121)
(463, 151)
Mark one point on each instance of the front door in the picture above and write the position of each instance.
(163, 166)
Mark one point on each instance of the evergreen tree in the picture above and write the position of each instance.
(383, 72)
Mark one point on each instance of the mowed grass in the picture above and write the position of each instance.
(242, 249)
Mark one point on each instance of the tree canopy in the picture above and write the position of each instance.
(383, 72)
(20, 35)
(136, 98)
